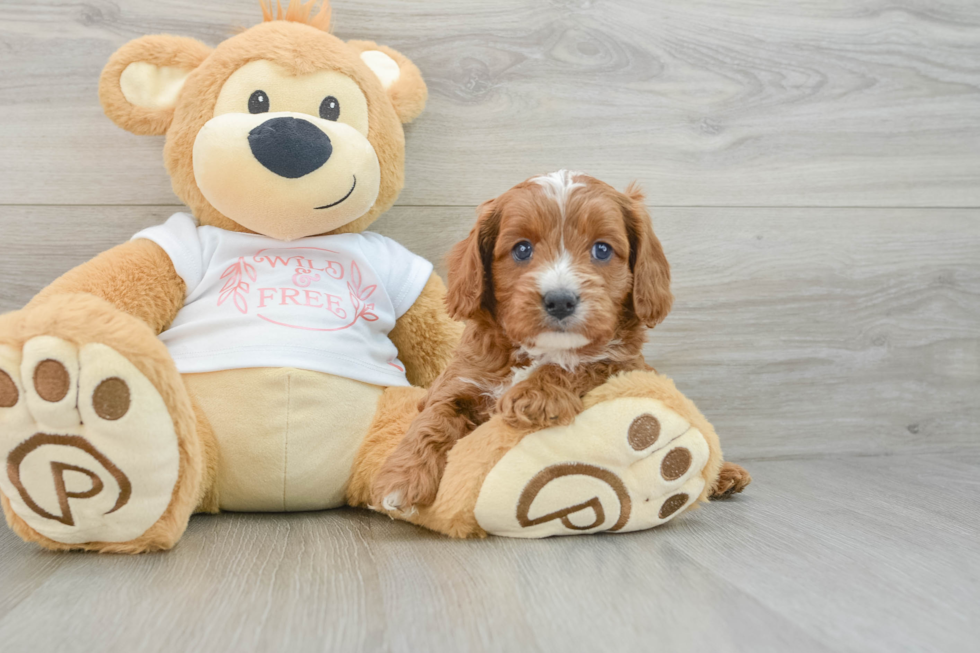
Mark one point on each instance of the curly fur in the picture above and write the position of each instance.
(511, 360)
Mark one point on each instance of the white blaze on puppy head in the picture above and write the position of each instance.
(559, 275)
(559, 186)
(564, 264)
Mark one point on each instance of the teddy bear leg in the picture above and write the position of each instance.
(639, 455)
(208, 497)
(99, 436)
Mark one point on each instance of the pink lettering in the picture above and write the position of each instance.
(333, 305)
(265, 294)
(312, 295)
(289, 294)
(303, 278)
(273, 260)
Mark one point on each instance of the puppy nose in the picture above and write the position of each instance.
(290, 147)
(560, 304)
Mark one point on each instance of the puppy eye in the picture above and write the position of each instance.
(602, 251)
(522, 251)
(259, 102)
(330, 108)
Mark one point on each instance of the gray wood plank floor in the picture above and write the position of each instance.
(863, 554)
(813, 170)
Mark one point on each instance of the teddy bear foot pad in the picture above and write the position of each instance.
(90, 450)
(624, 465)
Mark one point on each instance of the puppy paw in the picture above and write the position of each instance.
(731, 480)
(534, 407)
(405, 484)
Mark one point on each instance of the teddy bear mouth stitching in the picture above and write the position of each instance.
(327, 206)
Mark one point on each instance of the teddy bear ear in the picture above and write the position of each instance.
(143, 79)
(399, 77)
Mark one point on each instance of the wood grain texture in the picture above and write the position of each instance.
(797, 331)
(818, 556)
(708, 102)
(835, 346)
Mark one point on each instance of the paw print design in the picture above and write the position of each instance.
(89, 447)
(623, 465)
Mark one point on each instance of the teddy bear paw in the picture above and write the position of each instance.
(90, 449)
(623, 465)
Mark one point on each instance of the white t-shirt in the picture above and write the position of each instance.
(325, 303)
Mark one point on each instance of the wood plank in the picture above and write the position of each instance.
(47, 241)
(870, 554)
(707, 102)
(805, 332)
(798, 332)
(865, 554)
(808, 331)
(23, 570)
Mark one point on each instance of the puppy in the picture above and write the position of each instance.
(558, 281)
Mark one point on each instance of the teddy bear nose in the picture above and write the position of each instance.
(559, 304)
(290, 147)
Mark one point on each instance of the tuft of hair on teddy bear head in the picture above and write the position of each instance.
(283, 130)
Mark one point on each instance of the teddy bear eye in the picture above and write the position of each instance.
(330, 108)
(522, 251)
(258, 102)
(602, 251)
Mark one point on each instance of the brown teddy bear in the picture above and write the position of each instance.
(266, 353)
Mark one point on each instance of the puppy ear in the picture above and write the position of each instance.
(652, 298)
(470, 265)
(400, 78)
(143, 79)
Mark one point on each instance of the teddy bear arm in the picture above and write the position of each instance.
(136, 277)
(426, 336)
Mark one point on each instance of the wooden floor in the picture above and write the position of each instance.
(813, 169)
(842, 553)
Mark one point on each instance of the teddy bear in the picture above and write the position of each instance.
(265, 352)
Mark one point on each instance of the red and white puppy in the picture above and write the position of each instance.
(558, 280)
